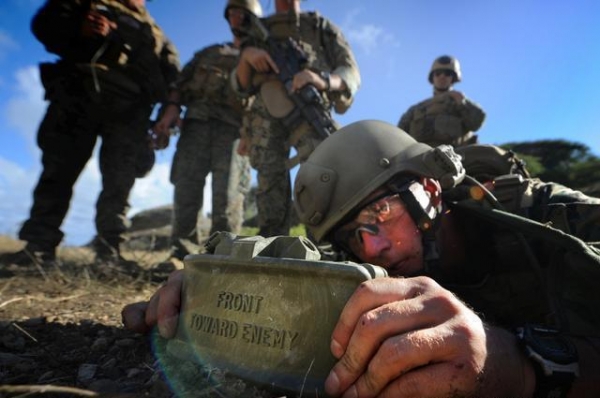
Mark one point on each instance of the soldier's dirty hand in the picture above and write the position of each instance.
(406, 337)
(96, 24)
(162, 310)
(259, 60)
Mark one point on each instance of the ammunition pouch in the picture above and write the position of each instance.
(110, 91)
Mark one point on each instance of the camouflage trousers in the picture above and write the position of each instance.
(269, 155)
(67, 136)
(208, 147)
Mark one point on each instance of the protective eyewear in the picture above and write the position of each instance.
(380, 211)
(445, 72)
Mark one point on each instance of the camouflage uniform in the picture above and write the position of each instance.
(517, 272)
(327, 50)
(100, 87)
(207, 144)
(441, 120)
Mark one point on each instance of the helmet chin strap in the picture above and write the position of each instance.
(423, 202)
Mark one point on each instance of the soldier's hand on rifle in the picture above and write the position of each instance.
(411, 336)
(457, 96)
(162, 310)
(95, 24)
(307, 76)
(259, 60)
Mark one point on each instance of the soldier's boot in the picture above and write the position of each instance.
(109, 262)
(32, 255)
(162, 270)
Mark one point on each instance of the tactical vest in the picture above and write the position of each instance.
(205, 86)
(136, 47)
(128, 62)
(436, 121)
(308, 32)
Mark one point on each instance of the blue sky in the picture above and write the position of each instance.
(533, 65)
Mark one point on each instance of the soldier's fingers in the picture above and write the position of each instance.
(133, 317)
(272, 65)
(169, 305)
(405, 353)
(434, 380)
(374, 341)
(151, 315)
(368, 296)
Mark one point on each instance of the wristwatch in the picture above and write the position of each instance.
(327, 77)
(554, 358)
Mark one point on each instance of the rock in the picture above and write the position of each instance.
(100, 344)
(157, 217)
(86, 372)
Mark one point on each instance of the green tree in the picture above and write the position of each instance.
(566, 162)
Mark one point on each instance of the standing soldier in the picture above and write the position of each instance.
(115, 65)
(209, 138)
(448, 117)
(274, 122)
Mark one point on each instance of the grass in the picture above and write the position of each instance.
(297, 230)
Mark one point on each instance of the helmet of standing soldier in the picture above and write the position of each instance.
(351, 164)
(252, 6)
(446, 62)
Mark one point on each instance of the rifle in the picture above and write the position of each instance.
(291, 59)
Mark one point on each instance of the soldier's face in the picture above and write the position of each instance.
(235, 16)
(442, 79)
(285, 5)
(384, 234)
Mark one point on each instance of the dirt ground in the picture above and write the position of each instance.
(61, 336)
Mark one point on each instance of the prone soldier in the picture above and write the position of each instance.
(483, 299)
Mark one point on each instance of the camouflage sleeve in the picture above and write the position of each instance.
(57, 25)
(406, 119)
(187, 73)
(472, 115)
(169, 61)
(566, 209)
(343, 64)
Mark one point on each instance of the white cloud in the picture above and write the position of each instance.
(15, 196)
(367, 37)
(7, 44)
(24, 112)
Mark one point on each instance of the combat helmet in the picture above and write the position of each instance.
(347, 167)
(446, 62)
(252, 6)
